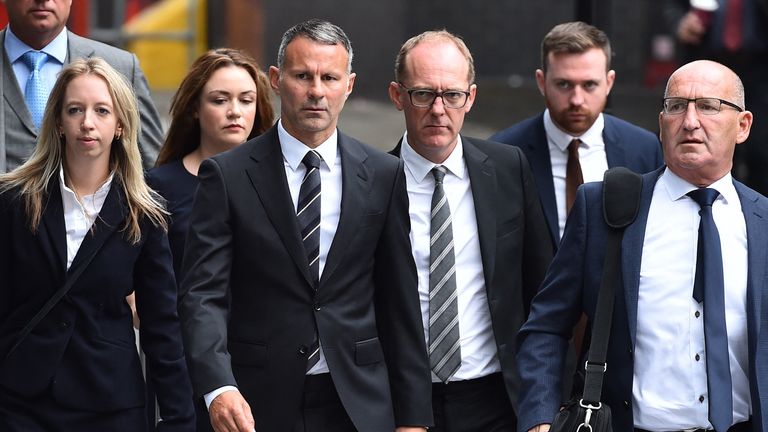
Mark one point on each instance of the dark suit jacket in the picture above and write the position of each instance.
(18, 134)
(84, 351)
(572, 285)
(248, 306)
(512, 235)
(625, 145)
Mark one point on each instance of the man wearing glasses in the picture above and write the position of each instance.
(572, 141)
(687, 348)
(476, 235)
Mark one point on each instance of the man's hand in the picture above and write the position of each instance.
(540, 428)
(410, 429)
(690, 29)
(229, 412)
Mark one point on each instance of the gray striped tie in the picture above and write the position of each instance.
(444, 349)
(308, 213)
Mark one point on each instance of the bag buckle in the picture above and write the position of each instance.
(588, 415)
(595, 367)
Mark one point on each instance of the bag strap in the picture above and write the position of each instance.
(621, 202)
(57, 296)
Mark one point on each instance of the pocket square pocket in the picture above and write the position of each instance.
(368, 352)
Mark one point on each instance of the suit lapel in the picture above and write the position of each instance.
(111, 218)
(267, 175)
(12, 92)
(756, 219)
(632, 251)
(482, 176)
(356, 178)
(614, 148)
(53, 231)
(77, 47)
(537, 151)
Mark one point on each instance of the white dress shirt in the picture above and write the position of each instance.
(330, 206)
(670, 370)
(478, 347)
(591, 158)
(56, 50)
(80, 216)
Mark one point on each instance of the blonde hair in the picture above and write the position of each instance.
(34, 177)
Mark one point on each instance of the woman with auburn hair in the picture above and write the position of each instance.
(224, 100)
(79, 231)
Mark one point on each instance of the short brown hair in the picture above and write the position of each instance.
(433, 35)
(184, 131)
(574, 38)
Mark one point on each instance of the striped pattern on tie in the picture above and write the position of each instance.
(444, 348)
(308, 214)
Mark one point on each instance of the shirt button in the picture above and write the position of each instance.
(697, 314)
(697, 357)
(701, 398)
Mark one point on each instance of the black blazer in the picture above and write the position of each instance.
(249, 309)
(84, 351)
(514, 243)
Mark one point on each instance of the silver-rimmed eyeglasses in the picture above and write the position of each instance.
(424, 98)
(706, 106)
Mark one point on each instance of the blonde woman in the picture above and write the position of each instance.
(78, 214)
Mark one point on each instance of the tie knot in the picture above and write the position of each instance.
(573, 146)
(439, 173)
(34, 60)
(312, 159)
(704, 196)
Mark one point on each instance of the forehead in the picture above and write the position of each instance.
(590, 64)
(303, 52)
(437, 61)
(88, 87)
(230, 76)
(700, 83)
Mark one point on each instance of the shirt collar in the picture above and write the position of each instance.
(295, 150)
(592, 137)
(677, 188)
(15, 48)
(420, 167)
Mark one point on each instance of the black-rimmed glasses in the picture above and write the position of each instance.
(424, 98)
(706, 106)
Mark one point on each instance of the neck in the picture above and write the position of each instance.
(193, 159)
(36, 40)
(84, 180)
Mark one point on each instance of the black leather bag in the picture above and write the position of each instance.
(621, 201)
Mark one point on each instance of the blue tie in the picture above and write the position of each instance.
(709, 287)
(35, 92)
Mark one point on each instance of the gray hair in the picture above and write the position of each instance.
(319, 31)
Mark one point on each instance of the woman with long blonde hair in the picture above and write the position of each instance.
(78, 216)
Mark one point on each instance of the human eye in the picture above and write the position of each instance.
(302, 76)
(708, 106)
(453, 96)
(422, 94)
(103, 111)
(247, 100)
(675, 106)
(72, 110)
(563, 85)
(330, 78)
(590, 85)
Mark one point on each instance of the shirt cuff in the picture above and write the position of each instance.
(209, 397)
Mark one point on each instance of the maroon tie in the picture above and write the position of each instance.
(732, 37)
(573, 177)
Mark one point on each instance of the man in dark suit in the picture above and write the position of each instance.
(573, 135)
(298, 317)
(661, 375)
(39, 26)
(476, 236)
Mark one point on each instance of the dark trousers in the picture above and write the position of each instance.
(478, 405)
(44, 414)
(321, 408)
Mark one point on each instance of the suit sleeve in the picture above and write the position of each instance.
(537, 252)
(160, 334)
(206, 268)
(151, 130)
(543, 339)
(398, 314)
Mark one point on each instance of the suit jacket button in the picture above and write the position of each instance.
(318, 307)
(64, 324)
(626, 404)
(303, 350)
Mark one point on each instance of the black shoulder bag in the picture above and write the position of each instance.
(621, 201)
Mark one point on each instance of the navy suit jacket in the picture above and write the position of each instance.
(83, 353)
(510, 228)
(249, 306)
(572, 285)
(625, 145)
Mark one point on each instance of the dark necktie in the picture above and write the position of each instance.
(35, 91)
(709, 287)
(308, 214)
(444, 348)
(573, 177)
(732, 26)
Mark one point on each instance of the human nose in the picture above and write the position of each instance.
(316, 88)
(577, 96)
(87, 122)
(691, 117)
(236, 110)
(438, 108)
